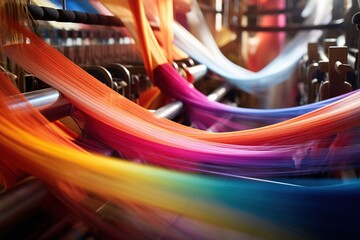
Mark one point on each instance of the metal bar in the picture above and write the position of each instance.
(196, 72)
(295, 27)
(50, 102)
(220, 92)
(173, 109)
(170, 110)
(206, 8)
(53, 105)
(273, 12)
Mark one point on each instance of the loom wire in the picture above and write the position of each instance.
(158, 98)
(197, 103)
(128, 130)
(152, 98)
(283, 211)
(46, 153)
(205, 50)
(110, 118)
(201, 109)
(171, 87)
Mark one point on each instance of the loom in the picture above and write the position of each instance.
(98, 44)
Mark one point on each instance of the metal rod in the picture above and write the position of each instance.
(173, 109)
(170, 110)
(50, 102)
(64, 4)
(220, 92)
(273, 12)
(53, 105)
(196, 72)
(295, 27)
